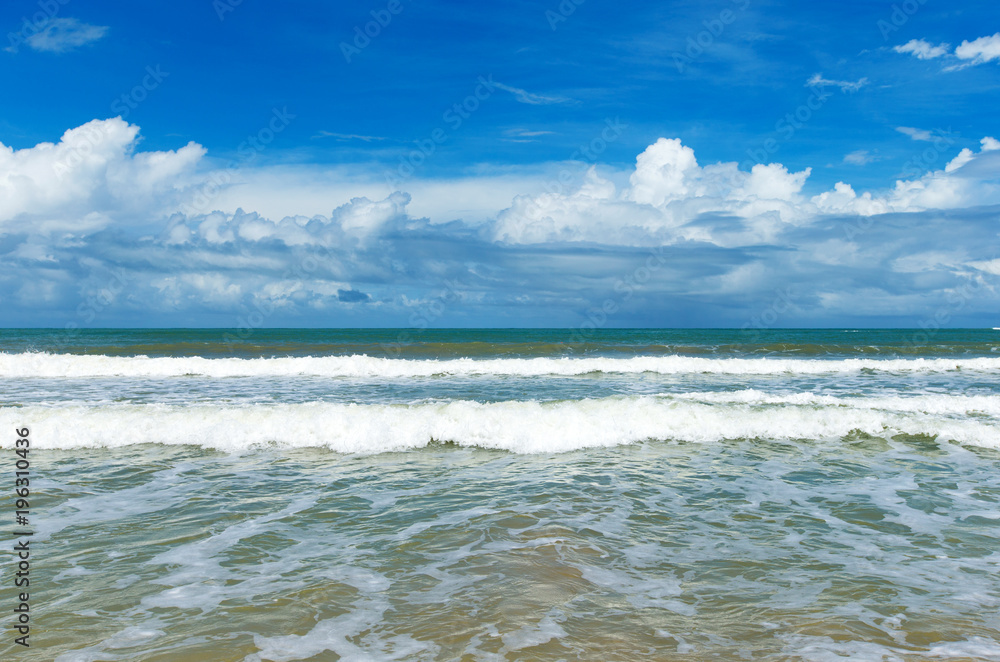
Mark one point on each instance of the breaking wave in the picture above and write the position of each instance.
(516, 426)
(36, 364)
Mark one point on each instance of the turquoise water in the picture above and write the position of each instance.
(449, 343)
(509, 494)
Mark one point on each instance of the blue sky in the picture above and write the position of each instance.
(210, 163)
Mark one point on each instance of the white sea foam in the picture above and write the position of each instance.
(921, 404)
(517, 426)
(166, 489)
(36, 364)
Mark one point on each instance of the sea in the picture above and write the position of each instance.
(554, 494)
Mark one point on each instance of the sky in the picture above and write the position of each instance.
(435, 163)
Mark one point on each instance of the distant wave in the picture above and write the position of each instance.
(517, 426)
(36, 364)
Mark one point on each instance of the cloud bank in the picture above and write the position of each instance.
(96, 233)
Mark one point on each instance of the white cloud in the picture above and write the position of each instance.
(355, 221)
(524, 96)
(552, 243)
(817, 80)
(525, 133)
(363, 217)
(971, 53)
(90, 176)
(916, 134)
(929, 261)
(344, 137)
(987, 266)
(957, 185)
(860, 157)
(984, 49)
(922, 50)
(774, 182)
(276, 191)
(591, 211)
(960, 160)
(665, 171)
(62, 35)
(667, 189)
(94, 178)
(967, 155)
(989, 144)
(843, 200)
(669, 193)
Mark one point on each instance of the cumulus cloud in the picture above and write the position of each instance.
(670, 196)
(844, 200)
(667, 189)
(922, 50)
(107, 229)
(984, 49)
(62, 35)
(989, 144)
(970, 178)
(91, 177)
(664, 172)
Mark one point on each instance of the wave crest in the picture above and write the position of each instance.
(35, 364)
(516, 426)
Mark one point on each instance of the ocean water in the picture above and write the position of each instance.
(507, 494)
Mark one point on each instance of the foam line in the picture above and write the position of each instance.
(517, 426)
(38, 364)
